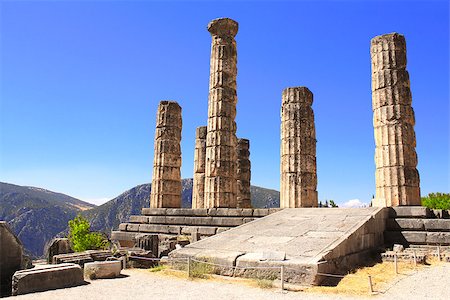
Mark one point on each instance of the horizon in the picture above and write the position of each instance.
(81, 82)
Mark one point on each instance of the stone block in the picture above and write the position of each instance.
(139, 219)
(157, 219)
(409, 212)
(260, 212)
(123, 227)
(437, 224)
(11, 253)
(132, 227)
(57, 246)
(204, 221)
(439, 238)
(102, 269)
(207, 230)
(222, 221)
(155, 228)
(405, 224)
(47, 278)
(146, 211)
(222, 229)
(122, 236)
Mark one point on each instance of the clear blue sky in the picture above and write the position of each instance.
(81, 82)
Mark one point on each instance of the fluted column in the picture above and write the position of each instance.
(220, 171)
(198, 186)
(298, 186)
(397, 179)
(243, 174)
(166, 183)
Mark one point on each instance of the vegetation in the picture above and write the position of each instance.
(81, 238)
(157, 268)
(200, 269)
(264, 283)
(437, 201)
(328, 203)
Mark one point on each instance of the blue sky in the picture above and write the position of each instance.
(81, 82)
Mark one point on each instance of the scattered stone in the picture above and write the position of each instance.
(11, 257)
(57, 246)
(298, 150)
(46, 278)
(397, 248)
(220, 169)
(102, 269)
(396, 175)
(82, 258)
(166, 183)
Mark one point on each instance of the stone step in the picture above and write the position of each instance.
(165, 229)
(409, 224)
(211, 212)
(417, 237)
(410, 212)
(191, 221)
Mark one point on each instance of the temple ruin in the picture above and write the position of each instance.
(220, 169)
(397, 179)
(243, 174)
(166, 183)
(298, 149)
(198, 186)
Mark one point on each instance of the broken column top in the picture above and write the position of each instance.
(396, 38)
(300, 94)
(242, 142)
(170, 103)
(200, 132)
(223, 26)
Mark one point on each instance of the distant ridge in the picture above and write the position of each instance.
(37, 215)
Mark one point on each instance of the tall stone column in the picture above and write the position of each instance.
(298, 149)
(220, 171)
(166, 183)
(243, 174)
(397, 179)
(198, 189)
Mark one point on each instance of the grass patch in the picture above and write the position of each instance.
(157, 268)
(264, 283)
(201, 270)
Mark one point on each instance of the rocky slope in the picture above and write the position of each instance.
(37, 215)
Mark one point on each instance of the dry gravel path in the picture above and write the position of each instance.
(429, 283)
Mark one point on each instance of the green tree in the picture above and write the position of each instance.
(81, 238)
(333, 204)
(437, 201)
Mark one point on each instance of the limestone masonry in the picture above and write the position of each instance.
(198, 186)
(397, 179)
(243, 174)
(298, 149)
(220, 169)
(166, 183)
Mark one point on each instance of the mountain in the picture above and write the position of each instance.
(36, 215)
(109, 215)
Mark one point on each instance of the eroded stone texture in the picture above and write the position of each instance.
(298, 149)
(166, 183)
(220, 168)
(397, 179)
(243, 174)
(198, 186)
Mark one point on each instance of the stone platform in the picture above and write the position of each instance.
(306, 241)
(200, 223)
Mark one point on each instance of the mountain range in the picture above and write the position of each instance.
(37, 215)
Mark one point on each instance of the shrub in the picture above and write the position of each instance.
(81, 238)
(437, 201)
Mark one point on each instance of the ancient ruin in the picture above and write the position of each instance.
(397, 179)
(198, 186)
(166, 183)
(243, 174)
(220, 171)
(298, 149)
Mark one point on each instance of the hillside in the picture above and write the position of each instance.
(36, 215)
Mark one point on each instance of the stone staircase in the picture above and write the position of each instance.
(417, 225)
(194, 223)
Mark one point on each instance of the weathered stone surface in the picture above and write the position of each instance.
(102, 269)
(11, 252)
(198, 186)
(166, 182)
(410, 212)
(298, 149)
(243, 174)
(82, 257)
(397, 179)
(57, 246)
(220, 169)
(47, 278)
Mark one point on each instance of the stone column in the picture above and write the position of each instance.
(220, 171)
(243, 174)
(298, 149)
(198, 186)
(166, 183)
(397, 179)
